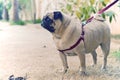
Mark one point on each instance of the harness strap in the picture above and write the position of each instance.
(73, 46)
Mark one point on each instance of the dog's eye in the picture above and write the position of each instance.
(47, 19)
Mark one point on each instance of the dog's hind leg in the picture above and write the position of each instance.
(105, 48)
(94, 56)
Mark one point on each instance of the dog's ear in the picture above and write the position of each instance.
(58, 15)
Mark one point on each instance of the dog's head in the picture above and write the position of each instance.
(51, 21)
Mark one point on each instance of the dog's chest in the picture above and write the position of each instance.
(57, 42)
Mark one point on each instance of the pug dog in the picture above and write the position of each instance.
(67, 30)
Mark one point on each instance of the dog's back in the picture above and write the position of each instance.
(96, 33)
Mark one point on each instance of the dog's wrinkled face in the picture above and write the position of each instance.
(49, 20)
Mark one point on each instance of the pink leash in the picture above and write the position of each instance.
(103, 10)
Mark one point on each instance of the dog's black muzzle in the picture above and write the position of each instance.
(46, 23)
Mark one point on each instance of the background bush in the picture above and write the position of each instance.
(84, 9)
(116, 54)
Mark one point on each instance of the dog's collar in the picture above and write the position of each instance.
(76, 44)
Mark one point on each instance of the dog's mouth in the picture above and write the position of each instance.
(47, 24)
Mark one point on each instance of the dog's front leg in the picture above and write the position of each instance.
(82, 64)
(64, 61)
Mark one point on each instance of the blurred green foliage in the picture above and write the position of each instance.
(117, 36)
(36, 21)
(25, 4)
(20, 22)
(83, 9)
(116, 54)
(8, 5)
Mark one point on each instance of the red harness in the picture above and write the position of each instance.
(78, 41)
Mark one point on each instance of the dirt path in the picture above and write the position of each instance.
(30, 50)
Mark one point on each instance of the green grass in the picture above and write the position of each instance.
(116, 54)
(117, 36)
(4, 20)
(20, 22)
(35, 22)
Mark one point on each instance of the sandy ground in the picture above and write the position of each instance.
(30, 50)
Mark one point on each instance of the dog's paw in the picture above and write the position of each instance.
(103, 68)
(93, 65)
(61, 71)
(82, 73)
